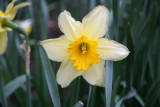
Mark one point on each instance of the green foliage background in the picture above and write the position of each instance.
(136, 79)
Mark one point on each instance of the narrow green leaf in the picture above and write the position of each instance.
(131, 94)
(92, 4)
(1, 7)
(63, 7)
(109, 76)
(129, 40)
(108, 4)
(75, 90)
(50, 77)
(140, 100)
(13, 85)
(130, 58)
(3, 97)
(3, 62)
(91, 96)
(44, 19)
(79, 104)
(116, 17)
(115, 89)
(29, 98)
(41, 97)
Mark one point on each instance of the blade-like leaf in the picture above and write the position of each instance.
(91, 96)
(108, 4)
(131, 94)
(50, 77)
(12, 86)
(29, 96)
(3, 97)
(3, 62)
(75, 91)
(109, 76)
(115, 89)
(140, 100)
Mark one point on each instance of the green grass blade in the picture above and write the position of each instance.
(92, 4)
(13, 85)
(63, 7)
(3, 62)
(140, 100)
(75, 91)
(130, 58)
(109, 76)
(29, 98)
(108, 4)
(91, 96)
(115, 89)
(50, 77)
(2, 91)
(131, 94)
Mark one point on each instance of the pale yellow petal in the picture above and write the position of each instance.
(1, 13)
(95, 75)
(67, 72)
(10, 7)
(111, 50)
(95, 24)
(3, 42)
(14, 10)
(68, 25)
(56, 48)
(26, 25)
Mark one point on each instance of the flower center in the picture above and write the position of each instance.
(83, 53)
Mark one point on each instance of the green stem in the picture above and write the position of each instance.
(10, 24)
(14, 26)
(2, 91)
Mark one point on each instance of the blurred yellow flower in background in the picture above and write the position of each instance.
(25, 24)
(82, 49)
(9, 13)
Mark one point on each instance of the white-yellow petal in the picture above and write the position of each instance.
(26, 25)
(67, 72)
(3, 42)
(111, 50)
(68, 25)
(14, 10)
(95, 24)
(56, 48)
(10, 7)
(95, 75)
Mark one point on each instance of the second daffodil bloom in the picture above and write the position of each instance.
(9, 13)
(25, 24)
(82, 49)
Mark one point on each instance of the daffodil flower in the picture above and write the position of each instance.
(25, 24)
(9, 13)
(82, 49)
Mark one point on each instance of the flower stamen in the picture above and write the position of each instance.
(84, 47)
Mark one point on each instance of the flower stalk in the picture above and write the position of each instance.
(26, 48)
(10, 24)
